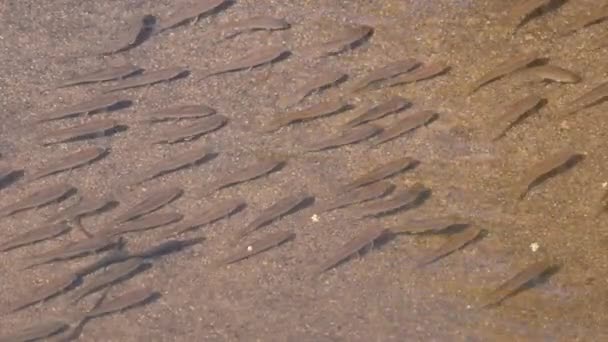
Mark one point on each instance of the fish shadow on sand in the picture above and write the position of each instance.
(574, 160)
(553, 5)
(168, 247)
(11, 178)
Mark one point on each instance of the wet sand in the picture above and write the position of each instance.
(380, 296)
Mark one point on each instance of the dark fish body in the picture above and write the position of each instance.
(381, 172)
(88, 129)
(555, 74)
(594, 17)
(73, 250)
(594, 96)
(522, 278)
(39, 198)
(358, 195)
(84, 207)
(318, 83)
(193, 131)
(258, 23)
(507, 67)
(428, 225)
(258, 246)
(174, 163)
(188, 11)
(424, 72)
(114, 273)
(45, 232)
(148, 78)
(386, 72)
(400, 200)
(71, 161)
(346, 137)
(102, 75)
(525, 9)
(181, 112)
(113, 256)
(50, 289)
(123, 302)
(316, 111)
(150, 221)
(155, 200)
(37, 331)
(251, 59)
(454, 243)
(209, 215)
(96, 104)
(405, 125)
(248, 173)
(545, 169)
(516, 112)
(128, 36)
(345, 41)
(166, 247)
(277, 210)
(392, 105)
(360, 241)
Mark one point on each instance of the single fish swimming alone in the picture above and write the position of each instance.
(148, 78)
(102, 75)
(250, 60)
(71, 161)
(42, 197)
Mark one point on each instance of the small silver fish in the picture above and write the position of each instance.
(209, 215)
(402, 199)
(42, 197)
(174, 163)
(343, 42)
(507, 67)
(250, 60)
(346, 137)
(96, 128)
(313, 112)
(318, 83)
(390, 106)
(71, 161)
(257, 23)
(405, 125)
(515, 113)
(386, 72)
(154, 200)
(258, 246)
(102, 75)
(381, 172)
(99, 103)
(125, 301)
(181, 112)
(148, 78)
(44, 232)
(192, 131)
(545, 169)
(455, 242)
(187, 11)
(358, 195)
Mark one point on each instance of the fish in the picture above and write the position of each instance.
(102, 75)
(257, 23)
(209, 215)
(424, 72)
(71, 161)
(360, 241)
(187, 11)
(125, 301)
(104, 102)
(136, 30)
(507, 67)
(515, 113)
(393, 105)
(175, 163)
(148, 78)
(153, 201)
(318, 83)
(525, 9)
(345, 137)
(193, 131)
(167, 247)
(50, 289)
(37, 331)
(455, 242)
(260, 245)
(381, 172)
(113, 274)
(346, 40)
(429, 225)
(40, 198)
(358, 195)
(547, 168)
(590, 18)
(511, 286)
(96, 128)
(189, 111)
(318, 110)
(146, 222)
(591, 98)
(44, 232)
(280, 208)
(73, 250)
(400, 200)
(250, 172)
(250, 60)
(84, 207)
(7, 173)
(405, 125)
(386, 72)
(112, 257)
(554, 73)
